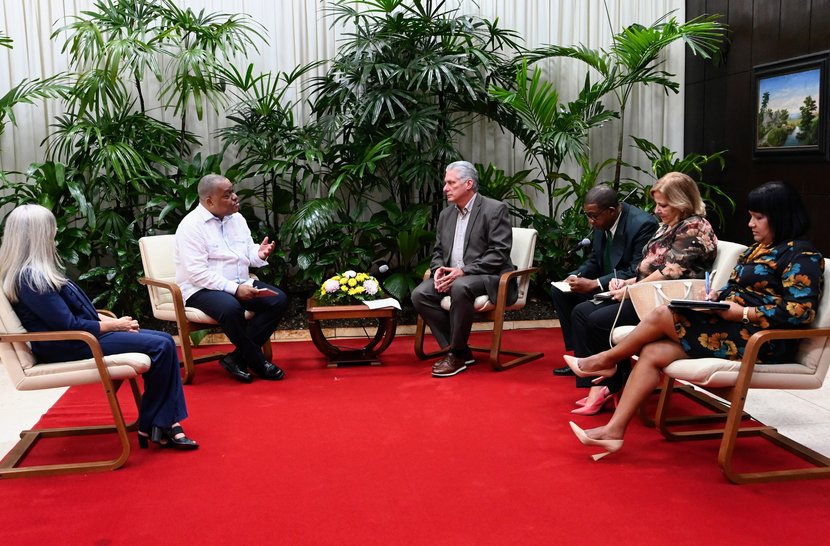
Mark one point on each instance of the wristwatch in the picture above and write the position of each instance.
(745, 319)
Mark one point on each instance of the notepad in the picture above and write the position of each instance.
(699, 305)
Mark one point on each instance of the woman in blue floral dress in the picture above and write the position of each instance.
(777, 283)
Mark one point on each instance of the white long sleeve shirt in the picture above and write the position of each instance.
(212, 253)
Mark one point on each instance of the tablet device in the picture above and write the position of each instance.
(699, 305)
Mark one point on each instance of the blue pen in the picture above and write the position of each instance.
(707, 286)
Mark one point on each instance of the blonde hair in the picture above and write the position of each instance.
(28, 252)
(682, 193)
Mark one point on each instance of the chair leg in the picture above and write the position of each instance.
(28, 438)
(495, 350)
(729, 434)
(420, 332)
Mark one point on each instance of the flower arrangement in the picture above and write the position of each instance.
(349, 287)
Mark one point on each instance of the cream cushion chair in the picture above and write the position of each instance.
(521, 254)
(25, 374)
(157, 257)
(732, 380)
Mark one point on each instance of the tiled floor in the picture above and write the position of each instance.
(803, 416)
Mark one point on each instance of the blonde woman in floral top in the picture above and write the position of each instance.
(776, 283)
(684, 246)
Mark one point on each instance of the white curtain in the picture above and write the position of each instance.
(298, 33)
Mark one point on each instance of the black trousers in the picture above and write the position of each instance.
(450, 328)
(592, 324)
(564, 303)
(247, 336)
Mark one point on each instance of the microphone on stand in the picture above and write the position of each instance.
(578, 246)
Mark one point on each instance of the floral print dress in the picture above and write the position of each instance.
(784, 283)
(685, 250)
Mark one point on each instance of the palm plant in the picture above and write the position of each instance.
(272, 146)
(635, 58)
(408, 73)
(550, 131)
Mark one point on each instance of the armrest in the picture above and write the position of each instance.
(105, 313)
(64, 335)
(764, 336)
(501, 297)
(174, 289)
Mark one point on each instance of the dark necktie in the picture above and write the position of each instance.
(606, 265)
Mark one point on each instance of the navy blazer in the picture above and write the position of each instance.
(487, 243)
(67, 309)
(634, 229)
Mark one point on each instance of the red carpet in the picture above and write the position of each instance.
(389, 455)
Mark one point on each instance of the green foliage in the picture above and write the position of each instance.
(635, 58)
(494, 183)
(552, 132)
(664, 161)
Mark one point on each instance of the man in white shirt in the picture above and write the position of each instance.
(214, 251)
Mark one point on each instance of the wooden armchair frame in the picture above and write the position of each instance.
(28, 438)
(733, 414)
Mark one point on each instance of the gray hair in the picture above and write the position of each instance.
(465, 170)
(28, 252)
(207, 185)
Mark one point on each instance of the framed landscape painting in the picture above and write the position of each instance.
(790, 104)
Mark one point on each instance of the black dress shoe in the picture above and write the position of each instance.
(563, 371)
(235, 368)
(269, 370)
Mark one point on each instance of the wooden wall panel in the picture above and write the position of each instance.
(720, 107)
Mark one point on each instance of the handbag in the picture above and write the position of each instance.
(647, 296)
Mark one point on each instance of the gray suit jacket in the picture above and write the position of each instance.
(487, 243)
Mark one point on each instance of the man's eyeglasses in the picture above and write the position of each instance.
(594, 215)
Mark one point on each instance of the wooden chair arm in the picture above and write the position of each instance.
(168, 285)
(759, 338)
(64, 335)
(106, 313)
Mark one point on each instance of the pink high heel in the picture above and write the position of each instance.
(582, 401)
(598, 375)
(598, 405)
(610, 446)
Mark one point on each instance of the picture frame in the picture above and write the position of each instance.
(791, 114)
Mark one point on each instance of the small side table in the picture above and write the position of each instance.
(369, 354)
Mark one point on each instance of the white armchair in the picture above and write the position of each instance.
(25, 374)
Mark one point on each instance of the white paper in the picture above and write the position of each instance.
(384, 302)
(561, 285)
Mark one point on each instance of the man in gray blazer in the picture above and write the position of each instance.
(472, 249)
(620, 231)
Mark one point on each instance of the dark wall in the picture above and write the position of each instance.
(719, 109)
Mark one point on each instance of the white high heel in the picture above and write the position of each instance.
(610, 446)
(598, 375)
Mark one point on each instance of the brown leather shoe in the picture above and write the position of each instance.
(448, 366)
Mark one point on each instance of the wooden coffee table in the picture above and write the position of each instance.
(387, 319)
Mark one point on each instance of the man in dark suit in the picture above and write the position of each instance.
(620, 231)
(472, 249)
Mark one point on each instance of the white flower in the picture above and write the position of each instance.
(331, 286)
(349, 274)
(371, 286)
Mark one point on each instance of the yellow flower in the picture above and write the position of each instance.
(343, 280)
(344, 288)
(352, 282)
(359, 290)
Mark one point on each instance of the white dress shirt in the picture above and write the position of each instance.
(212, 253)
(457, 254)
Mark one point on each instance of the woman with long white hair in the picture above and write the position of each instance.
(33, 279)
